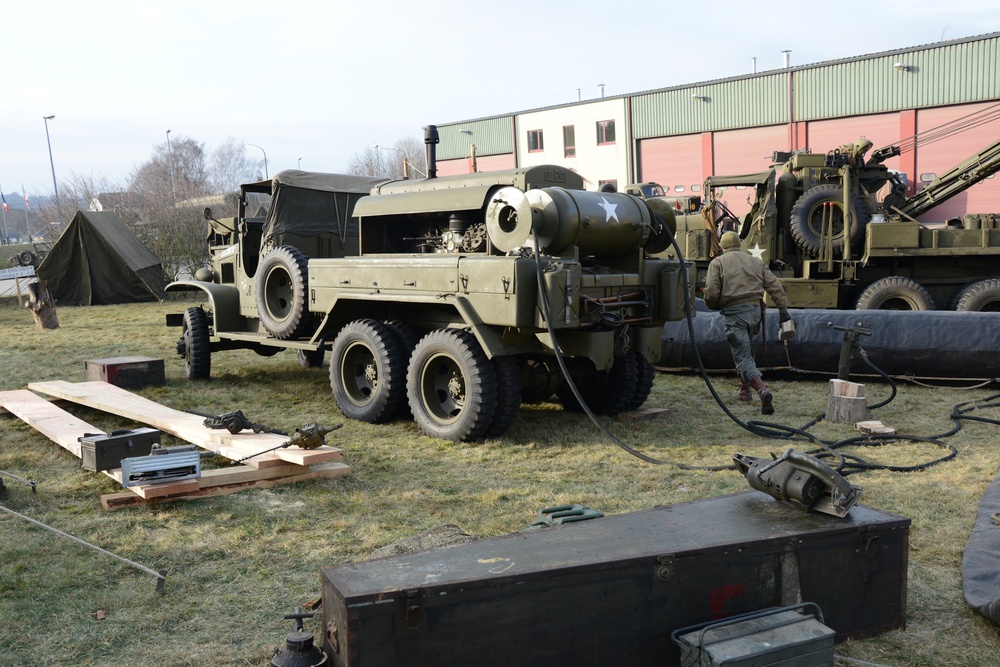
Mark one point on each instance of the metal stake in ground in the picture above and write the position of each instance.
(161, 576)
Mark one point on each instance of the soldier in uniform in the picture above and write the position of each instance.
(735, 286)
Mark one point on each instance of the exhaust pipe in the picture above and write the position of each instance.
(431, 138)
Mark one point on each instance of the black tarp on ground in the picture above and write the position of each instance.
(99, 261)
(981, 557)
(921, 344)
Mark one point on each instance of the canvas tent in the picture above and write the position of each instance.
(99, 261)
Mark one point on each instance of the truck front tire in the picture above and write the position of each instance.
(194, 337)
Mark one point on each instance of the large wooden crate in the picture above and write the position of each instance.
(609, 591)
(127, 372)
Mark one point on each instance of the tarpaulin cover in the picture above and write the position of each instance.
(307, 203)
(99, 261)
(981, 558)
(921, 344)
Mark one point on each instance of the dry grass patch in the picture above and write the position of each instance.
(237, 563)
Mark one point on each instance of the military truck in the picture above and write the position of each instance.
(840, 233)
(456, 297)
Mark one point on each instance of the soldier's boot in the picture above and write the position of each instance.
(744, 394)
(766, 407)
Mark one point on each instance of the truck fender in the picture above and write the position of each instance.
(223, 301)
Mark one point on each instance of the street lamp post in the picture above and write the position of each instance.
(266, 176)
(170, 160)
(300, 164)
(55, 186)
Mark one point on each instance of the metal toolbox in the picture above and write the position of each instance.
(778, 636)
(105, 452)
(611, 590)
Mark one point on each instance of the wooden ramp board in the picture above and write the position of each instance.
(65, 430)
(184, 425)
(51, 421)
(224, 481)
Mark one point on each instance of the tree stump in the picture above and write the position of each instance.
(41, 306)
(847, 402)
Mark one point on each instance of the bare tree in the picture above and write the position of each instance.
(390, 161)
(230, 167)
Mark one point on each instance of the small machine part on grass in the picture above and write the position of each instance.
(235, 422)
(309, 436)
(802, 480)
(554, 516)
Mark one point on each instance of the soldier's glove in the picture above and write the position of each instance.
(784, 318)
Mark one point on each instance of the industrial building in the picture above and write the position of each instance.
(940, 102)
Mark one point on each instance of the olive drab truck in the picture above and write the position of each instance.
(838, 231)
(449, 297)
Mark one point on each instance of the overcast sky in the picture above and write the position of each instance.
(322, 81)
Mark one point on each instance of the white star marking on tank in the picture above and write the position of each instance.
(610, 209)
(757, 251)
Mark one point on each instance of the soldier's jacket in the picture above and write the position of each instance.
(737, 276)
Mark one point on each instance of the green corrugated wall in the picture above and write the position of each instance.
(955, 72)
(492, 136)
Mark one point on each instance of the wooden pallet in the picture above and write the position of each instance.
(186, 426)
(65, 430)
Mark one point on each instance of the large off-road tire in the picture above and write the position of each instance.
(645, 374)
(367, 372)
(194, 338)
(451, 385)
(406, 335)
(980, 296)
(508, 374)
(895, 293)
(606, 392)
(807, 218)
(282, 289)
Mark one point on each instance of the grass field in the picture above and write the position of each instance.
(237, 563)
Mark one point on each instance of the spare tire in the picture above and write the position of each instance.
(282, 288)
(895, 293)
(807, 218)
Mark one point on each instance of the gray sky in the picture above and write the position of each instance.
(322, 81)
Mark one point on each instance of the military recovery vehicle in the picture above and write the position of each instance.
(839, 232)
(446, 296)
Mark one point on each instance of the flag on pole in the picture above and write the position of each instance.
(26, 204)
(4, 200)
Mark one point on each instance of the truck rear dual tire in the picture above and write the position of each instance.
(807, 218)
(451, 386)
(981, 296)
(368, 372)
(895, 293)
(282, 288)
(606, 392)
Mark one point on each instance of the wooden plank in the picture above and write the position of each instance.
(113, 501)
(846, 388)
(51, 421)
(189, 427)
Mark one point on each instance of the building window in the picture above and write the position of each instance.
(605, 132)
(535, 141)
(569, 141)
(678, 188)
(610, 185)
